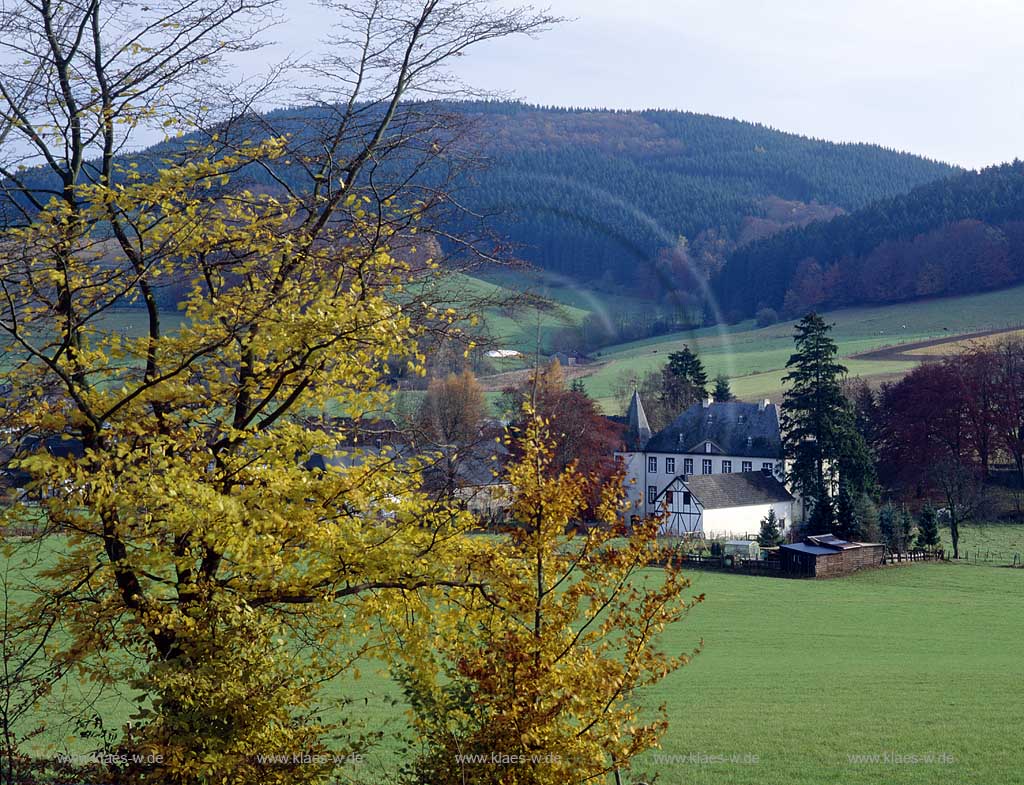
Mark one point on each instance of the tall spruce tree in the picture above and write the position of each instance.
(771, 532)
(686, 366)
(820, 436)
(928, 528)
(722, 392)
(683, 381)
(896, 527)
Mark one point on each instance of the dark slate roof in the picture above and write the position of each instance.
(717, 491)
(57, 445)
(733, 428)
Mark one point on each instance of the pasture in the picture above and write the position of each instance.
(754, 358)
(800, 683)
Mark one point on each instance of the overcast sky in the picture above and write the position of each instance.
(942, 78)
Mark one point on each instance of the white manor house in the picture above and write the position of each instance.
(715, 471)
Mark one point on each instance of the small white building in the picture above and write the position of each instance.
(723, 505)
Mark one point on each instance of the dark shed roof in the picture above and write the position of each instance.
(824, 545)
(831, 541)
(733, 428)
(718, 491)
(815, 550)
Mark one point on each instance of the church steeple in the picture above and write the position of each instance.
(638, 432)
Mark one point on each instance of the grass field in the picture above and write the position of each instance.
(914, 660)
(797, 677)
(519, 327)
(754, 359)
(990, 543)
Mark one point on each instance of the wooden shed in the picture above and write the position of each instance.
(826, 556)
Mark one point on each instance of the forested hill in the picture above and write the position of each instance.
(605, 196)
(959, 235)
(593, 193)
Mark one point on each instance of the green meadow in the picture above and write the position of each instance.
(800, 683)
(754, 358)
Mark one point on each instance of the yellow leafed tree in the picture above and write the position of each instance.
(204, 566)
(226, 576)
(535, 681)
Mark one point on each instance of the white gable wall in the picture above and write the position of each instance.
(639, 477)
(737, 521)
(685, 516)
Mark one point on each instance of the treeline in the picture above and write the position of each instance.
(940, 431)
(956, 236)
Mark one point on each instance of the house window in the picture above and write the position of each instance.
(726, 467)
(687, 465)
(670, 465)
(652, 464)
(687, 499)
(707, 466)
(748, 466)
(707, 447)
(668, 497)
(652, 494)
(766, 467)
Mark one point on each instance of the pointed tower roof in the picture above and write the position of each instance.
(637, 429)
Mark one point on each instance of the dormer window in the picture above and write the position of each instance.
(707, 447)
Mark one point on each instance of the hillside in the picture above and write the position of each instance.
(603, 195)
(955, 236)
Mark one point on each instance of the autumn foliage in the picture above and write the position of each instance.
(535, 681)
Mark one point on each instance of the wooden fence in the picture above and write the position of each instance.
(728, 563)
(773, 566)
(993, 558)
(917, 555)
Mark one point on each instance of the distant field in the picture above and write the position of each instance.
(754, 359)
(951, 347)
(797, 676)
(515, 327)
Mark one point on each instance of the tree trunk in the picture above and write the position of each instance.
(954, 531)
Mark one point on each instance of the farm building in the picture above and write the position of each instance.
(709, 439)
(723, 505)
(826, 556)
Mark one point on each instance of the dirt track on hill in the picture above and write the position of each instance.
(902, 352)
